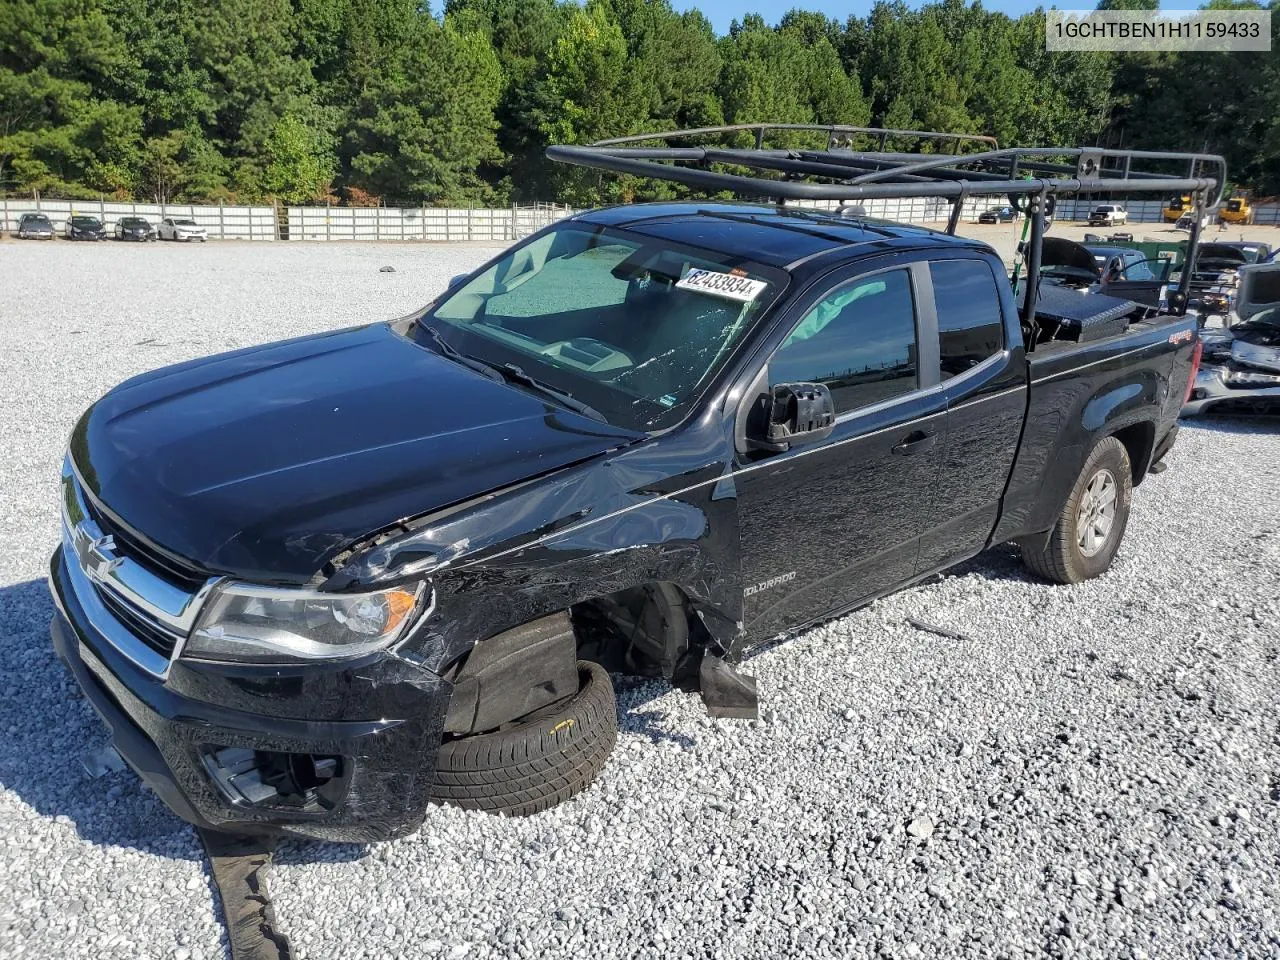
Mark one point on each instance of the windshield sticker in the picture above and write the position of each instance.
(726, 285)
(667, 400)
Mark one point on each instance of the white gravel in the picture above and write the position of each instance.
(1094, 773)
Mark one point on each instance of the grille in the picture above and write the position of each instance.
(131, 545)
(138, 624)
(141, 600)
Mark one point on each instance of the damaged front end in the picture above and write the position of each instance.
(630, 559)
(324, 747)
(1240, 370)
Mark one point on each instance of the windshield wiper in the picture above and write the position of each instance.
(452, 352)
(511, 373)
(514, 374)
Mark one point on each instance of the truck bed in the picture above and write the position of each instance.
(1131, 384)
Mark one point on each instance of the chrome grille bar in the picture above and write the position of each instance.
(98, 568)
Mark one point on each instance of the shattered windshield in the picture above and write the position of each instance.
(632, 326)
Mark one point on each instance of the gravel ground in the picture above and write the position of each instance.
(1094, 773)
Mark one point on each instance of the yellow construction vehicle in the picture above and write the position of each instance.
(1236, 210)
(1176, 207)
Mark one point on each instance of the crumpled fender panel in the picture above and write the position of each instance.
(665, 510)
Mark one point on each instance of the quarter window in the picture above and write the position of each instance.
(970, 328)
(859, 340)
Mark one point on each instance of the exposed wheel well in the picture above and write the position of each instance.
(641, 630)
(1139, 439)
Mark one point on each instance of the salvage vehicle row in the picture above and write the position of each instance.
(37, 226)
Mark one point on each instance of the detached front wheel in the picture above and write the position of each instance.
(536, 761)
(1092, 522)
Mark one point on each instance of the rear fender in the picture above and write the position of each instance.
(1065, 423)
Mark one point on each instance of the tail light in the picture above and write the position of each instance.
(1196, 351)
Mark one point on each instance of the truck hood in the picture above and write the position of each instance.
(266, 462)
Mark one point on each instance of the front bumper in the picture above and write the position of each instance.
(381, 718)
(1211, 391)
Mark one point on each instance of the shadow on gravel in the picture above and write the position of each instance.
(1001, 562)
(633, 693)
(48, 728)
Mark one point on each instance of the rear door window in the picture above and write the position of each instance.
(970, 324)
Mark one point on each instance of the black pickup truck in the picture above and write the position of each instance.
(316, 585)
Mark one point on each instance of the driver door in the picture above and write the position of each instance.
(831, 523)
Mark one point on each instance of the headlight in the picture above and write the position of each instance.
(246, 622)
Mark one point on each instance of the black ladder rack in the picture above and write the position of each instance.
(1032, 177)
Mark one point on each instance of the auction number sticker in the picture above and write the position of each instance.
(727, 285)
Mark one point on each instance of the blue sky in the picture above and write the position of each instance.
(722, 12)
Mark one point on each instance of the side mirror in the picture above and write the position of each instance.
(797, 413)
(458, 280)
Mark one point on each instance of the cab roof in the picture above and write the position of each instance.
(781, 237)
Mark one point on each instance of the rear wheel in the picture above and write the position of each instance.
(1092, 522)
(537, 761)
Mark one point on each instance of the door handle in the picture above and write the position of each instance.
(914, 442)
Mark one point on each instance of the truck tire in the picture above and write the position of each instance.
(1092, 522)
(537, 761)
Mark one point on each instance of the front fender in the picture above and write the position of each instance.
(575, 535)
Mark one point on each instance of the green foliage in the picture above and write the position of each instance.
(299, 168)
(251, 100)
(422, 127)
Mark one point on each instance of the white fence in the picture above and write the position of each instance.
(222, 222)
(418, 223)
(494, 225)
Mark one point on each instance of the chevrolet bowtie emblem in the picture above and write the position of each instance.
(97, 554)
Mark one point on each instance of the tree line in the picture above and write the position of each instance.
(365, 100)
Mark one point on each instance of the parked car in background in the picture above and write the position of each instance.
(1108, 215)
(178, 228)
(1254, 252)
(1215, 280)
(135, 228)
(34, 226)
(1005, 214)
(84, 228)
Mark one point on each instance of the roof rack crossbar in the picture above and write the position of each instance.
(831, 129)
(843, 174)
(837, 166)
(648, 163)
(883, 162)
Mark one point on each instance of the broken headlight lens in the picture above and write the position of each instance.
(246, 622)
